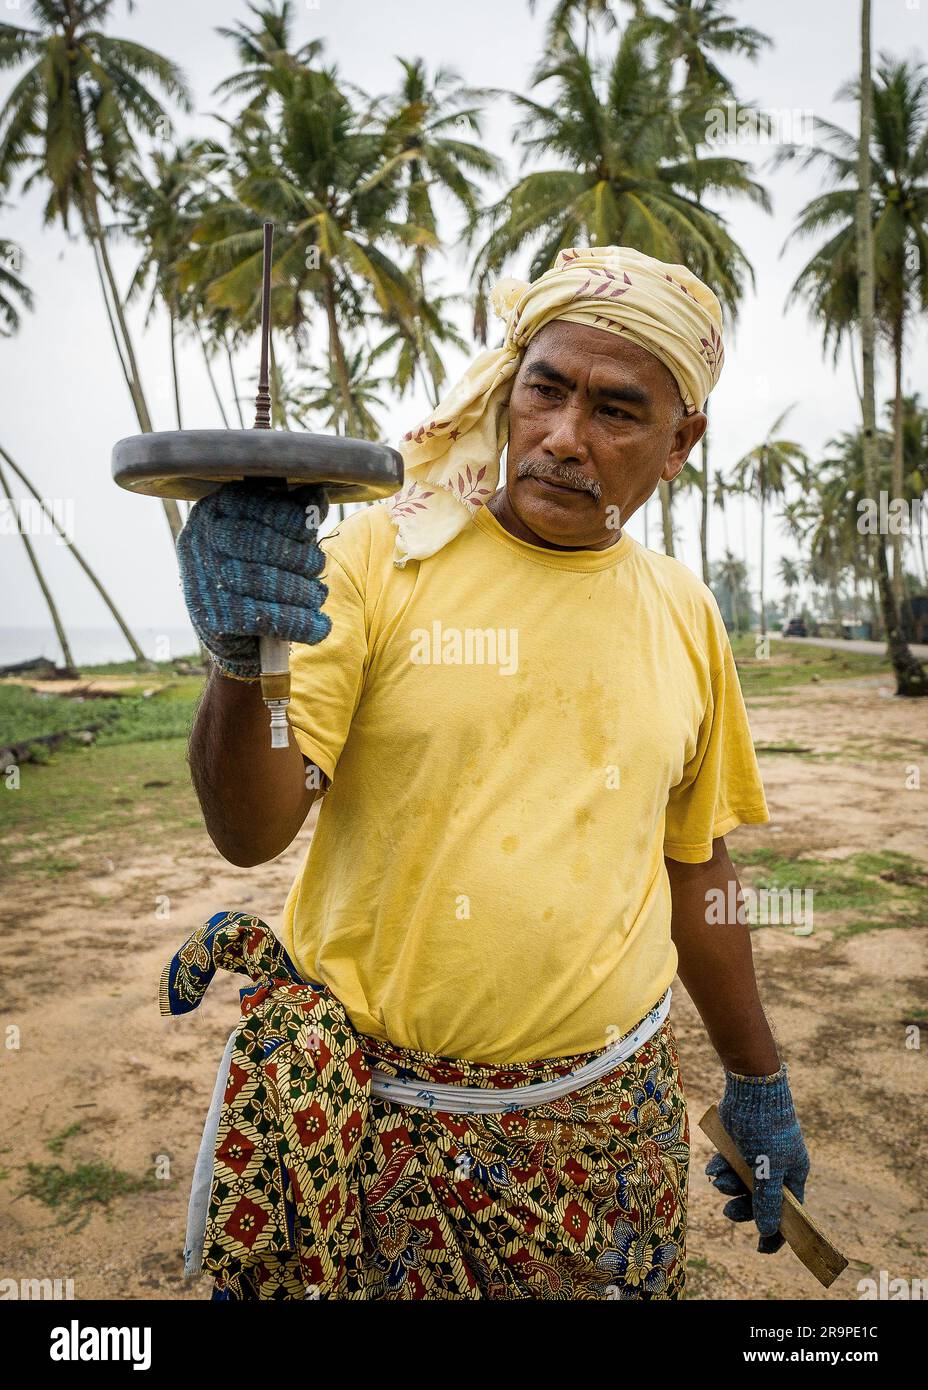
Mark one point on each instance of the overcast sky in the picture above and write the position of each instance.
(64, 402)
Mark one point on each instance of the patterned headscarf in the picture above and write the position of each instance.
(452, 460)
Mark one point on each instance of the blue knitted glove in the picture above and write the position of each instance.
(758, 1113)
(248, 565)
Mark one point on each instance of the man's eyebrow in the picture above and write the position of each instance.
(629, 395)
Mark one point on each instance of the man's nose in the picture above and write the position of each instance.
(565, 440)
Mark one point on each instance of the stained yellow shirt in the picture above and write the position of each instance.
(515, 737)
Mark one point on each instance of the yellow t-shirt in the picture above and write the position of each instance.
(515, 737)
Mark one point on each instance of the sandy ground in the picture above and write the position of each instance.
(80, 985)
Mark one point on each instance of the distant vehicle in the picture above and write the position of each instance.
(795, 627)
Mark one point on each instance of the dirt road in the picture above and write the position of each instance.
(96, 1084)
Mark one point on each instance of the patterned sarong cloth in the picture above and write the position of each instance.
(321, 1190)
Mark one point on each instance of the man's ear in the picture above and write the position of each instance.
(688, 434)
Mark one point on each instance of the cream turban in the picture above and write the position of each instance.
(451, 461)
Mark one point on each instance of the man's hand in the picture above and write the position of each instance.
(249, 562)
(759, 1115)
(715, 963)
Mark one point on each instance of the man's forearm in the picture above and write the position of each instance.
(254, 798)
(716, 964)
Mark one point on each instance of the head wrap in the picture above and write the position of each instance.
(451, 460)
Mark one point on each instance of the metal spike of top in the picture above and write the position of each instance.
(263, 398)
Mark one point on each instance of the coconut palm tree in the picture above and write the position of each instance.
(11, 282)
(424, 126)
(66, 653)
(730, 575)
(158, 218)
(11, 318)
(764, 472)
(911, 675)
(264, 52)
(12, 288)
(97, 583)
(323, 395)
(70, 123)
(421, 352)
(790, 576)
(565, 12)
(624, 176)
(696, 31)
(899, 215)
(620, 181)
(314, 165)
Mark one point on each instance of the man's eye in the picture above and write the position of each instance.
(616, 412)
(542, 390)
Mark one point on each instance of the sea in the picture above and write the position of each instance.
(96, 646)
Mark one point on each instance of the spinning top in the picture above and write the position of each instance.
(189, 464)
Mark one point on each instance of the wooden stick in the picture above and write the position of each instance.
(806, 1239)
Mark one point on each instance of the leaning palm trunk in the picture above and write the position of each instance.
(704, 505)
(123, 338)
(209, 371)
(337, 353)
(278, 408)
(120, 621)
(109, 314)
(897, 538)
(174, 378)
(911, 678)
(663, 488)
(763, 534)
(235, 392)
(46, 592)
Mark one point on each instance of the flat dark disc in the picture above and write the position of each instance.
(188, 464)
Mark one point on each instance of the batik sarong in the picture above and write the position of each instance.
(321, 1190)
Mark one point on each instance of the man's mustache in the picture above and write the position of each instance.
(567, 477)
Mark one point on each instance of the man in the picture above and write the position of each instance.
(531, 741)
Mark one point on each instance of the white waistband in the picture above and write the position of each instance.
(474, 1100)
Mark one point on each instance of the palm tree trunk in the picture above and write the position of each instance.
(174, 379)
(704, 505)
(55, 617)
(120, 621)
(898, 488)
(278, 408)
(834, 588)
(763, 530)
(663, 489)
(911, 677)
(109, 314)
(235, 391)
(337, 352)
(433, 395)
(209, 370)
(97, 235)
(431, 390)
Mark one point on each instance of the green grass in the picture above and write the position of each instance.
(57, 1142)
(129, 718)
(134, 775)
(72, 1193)
(789, 665)
(887, 890)
(146, 670)
(97, 796)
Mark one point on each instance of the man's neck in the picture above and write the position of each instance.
(501, 507)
